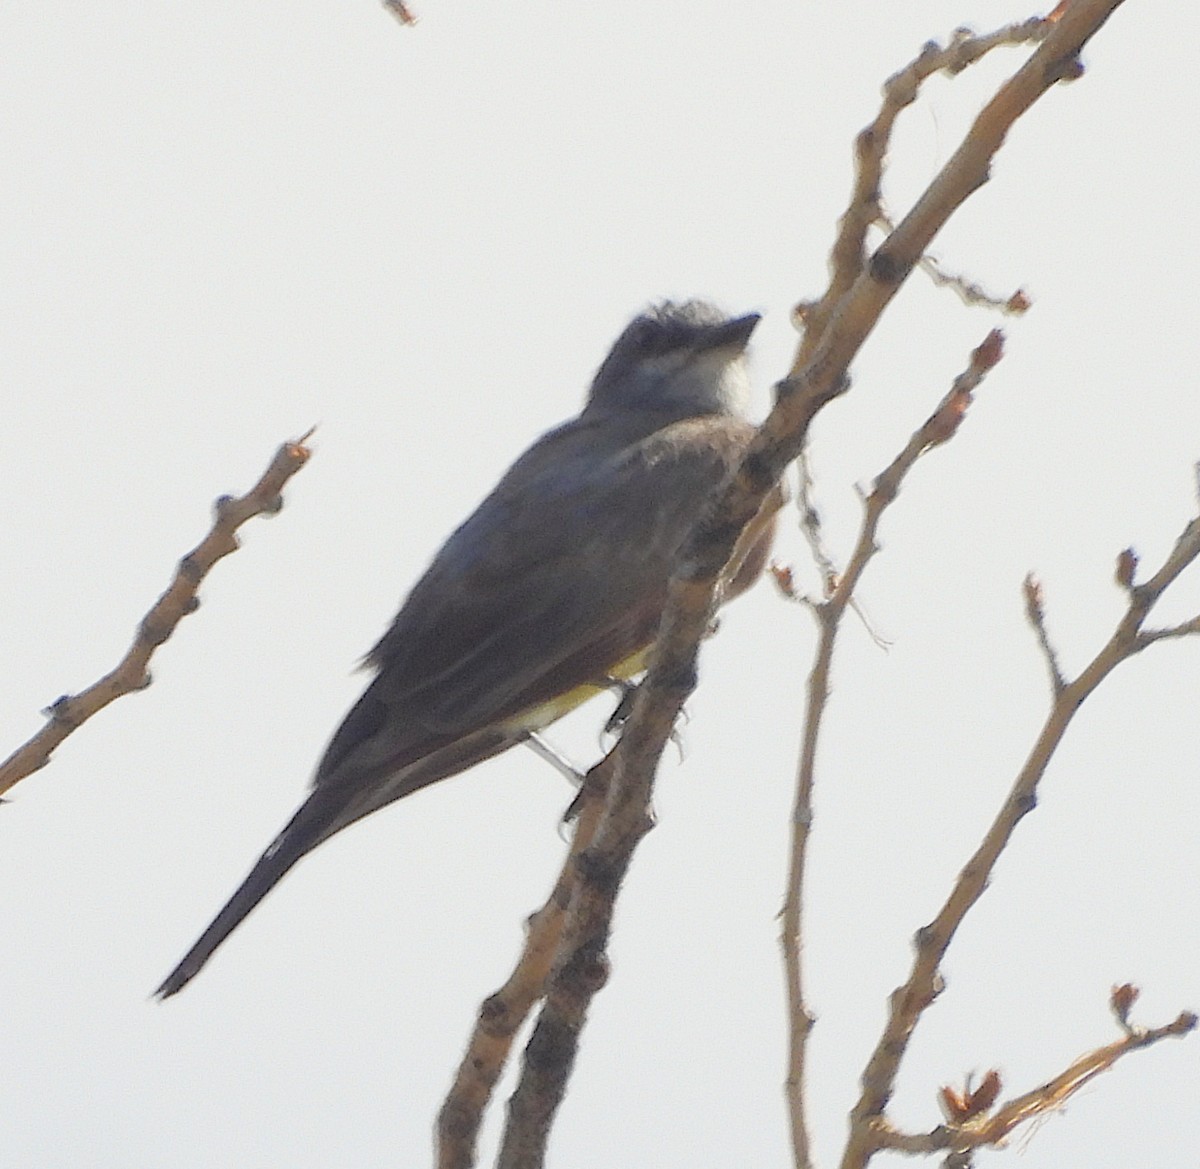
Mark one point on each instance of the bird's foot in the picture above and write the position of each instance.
(627, 692)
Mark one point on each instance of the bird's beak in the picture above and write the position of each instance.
(734, 334)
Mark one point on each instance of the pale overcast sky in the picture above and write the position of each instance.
(223, 223)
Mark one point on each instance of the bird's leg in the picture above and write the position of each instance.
(543, 750)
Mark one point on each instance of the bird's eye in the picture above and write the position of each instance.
(645, 334)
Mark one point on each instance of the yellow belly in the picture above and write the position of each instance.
(542, 715)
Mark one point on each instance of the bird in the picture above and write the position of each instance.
(548, 593)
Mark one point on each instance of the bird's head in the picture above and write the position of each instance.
(686, 357)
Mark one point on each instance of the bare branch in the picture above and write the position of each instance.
(909, 1000)
(67, 713)
(810, 525)
(966, 171)
(941, 425)
(502, 1013)
(985, 1128)
(1054, 1093)
(581, 967)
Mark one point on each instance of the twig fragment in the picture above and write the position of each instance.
(70, 711)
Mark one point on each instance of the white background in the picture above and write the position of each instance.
(222, 223)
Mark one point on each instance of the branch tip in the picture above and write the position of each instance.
(989, 353)
(1127, 562)
(401, 11)
(784, 578)
(1020, 302)
(1034, 598)
(1121, 1001)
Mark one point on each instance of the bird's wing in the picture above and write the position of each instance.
(559, 575)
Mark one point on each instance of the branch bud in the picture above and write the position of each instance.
(1127, 562)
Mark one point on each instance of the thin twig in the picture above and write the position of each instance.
(1054, 1093)
(972, 293)
(859, 289)
(1184, 629)
(941, 425)
(810, 526)
(1035, 614)
(969, 291)
(70, 711)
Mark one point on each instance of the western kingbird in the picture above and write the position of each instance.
(549, 591)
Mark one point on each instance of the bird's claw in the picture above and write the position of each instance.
(627, 692)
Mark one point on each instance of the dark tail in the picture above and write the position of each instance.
(306, 829)
(346, 791)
